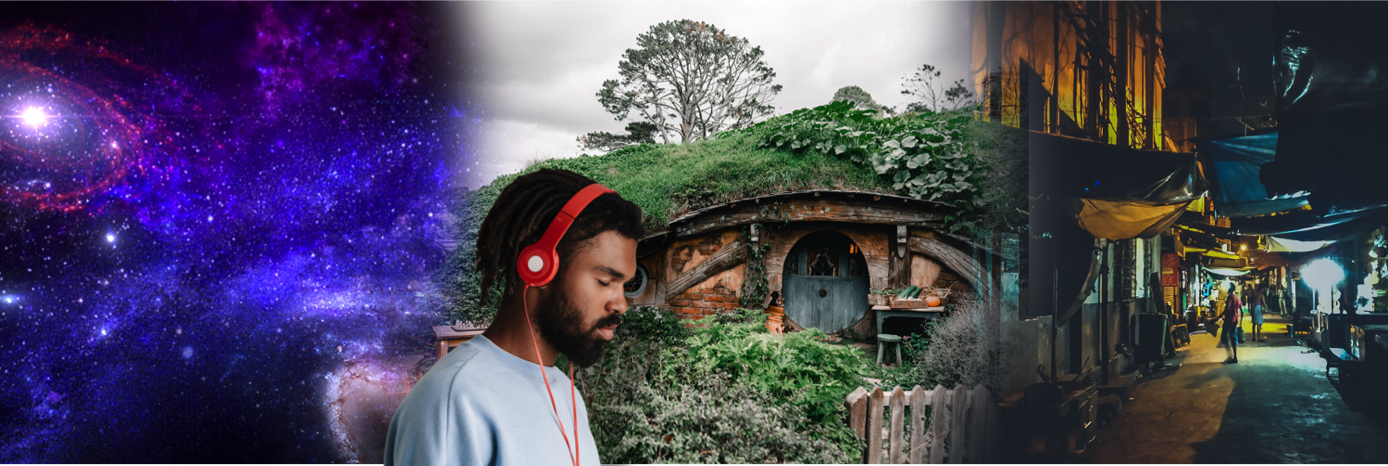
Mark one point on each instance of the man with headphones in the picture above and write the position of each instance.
(562, 246)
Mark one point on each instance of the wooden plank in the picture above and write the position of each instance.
(939, 424)
(918, 406)
(959, 424)
(857, 410)
(894, 454)
(874, 427)
(978, 420)
(727, 257)
(993, 452)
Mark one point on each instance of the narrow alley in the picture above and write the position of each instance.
(1274, 406)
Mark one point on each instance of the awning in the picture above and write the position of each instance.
(1122, 192)
(1066, 167)
(1276, 244)
(1209, 252)
(1227, 272)
(1236, 187)
(1313, 226)
(1330, 112)
(1126, 219)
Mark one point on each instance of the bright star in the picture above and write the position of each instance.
(34, 116)
(110, 238)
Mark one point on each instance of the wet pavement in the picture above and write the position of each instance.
(1274, 406)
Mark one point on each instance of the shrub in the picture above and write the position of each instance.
(727, 392)
(712, 418)
(958, 353)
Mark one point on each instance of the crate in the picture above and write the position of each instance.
(913, 303)
(878, 299)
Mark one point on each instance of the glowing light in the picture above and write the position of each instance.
(1322, 274)
(34, 116)
(110, 237)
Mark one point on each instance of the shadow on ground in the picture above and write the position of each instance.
(1274, 406)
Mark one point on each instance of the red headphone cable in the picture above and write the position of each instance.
(573, 451)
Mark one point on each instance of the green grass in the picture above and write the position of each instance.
(667, 180)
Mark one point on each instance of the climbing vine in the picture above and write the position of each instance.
(756, 266)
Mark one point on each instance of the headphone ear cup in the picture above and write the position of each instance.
(537, 266)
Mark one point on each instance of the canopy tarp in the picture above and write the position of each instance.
(1209, 252)
(1237, 189)
(1066, 167)
(1331, 108)
(1128, 219)
(1276, 244)
(1227, 272)
(1314, 226)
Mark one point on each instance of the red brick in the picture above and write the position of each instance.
(717, 298)
(680, 302)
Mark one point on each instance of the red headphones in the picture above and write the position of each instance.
(537, 265)
(539, 262)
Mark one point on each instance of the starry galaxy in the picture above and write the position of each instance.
(220, 225)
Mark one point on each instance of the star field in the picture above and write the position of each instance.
(216, 220)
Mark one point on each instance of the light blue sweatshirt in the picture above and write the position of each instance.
(481, 405)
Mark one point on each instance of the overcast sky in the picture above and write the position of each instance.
(541, 63)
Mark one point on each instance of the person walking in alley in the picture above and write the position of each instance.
(1233, 317)
(1221, 296)
(1256, 303)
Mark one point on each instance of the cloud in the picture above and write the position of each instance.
(540, 63)
(510, 145)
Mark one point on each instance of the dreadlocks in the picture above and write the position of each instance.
(527, 206)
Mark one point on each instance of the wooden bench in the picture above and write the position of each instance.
(445, 338)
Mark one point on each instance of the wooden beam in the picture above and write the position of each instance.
(808, 210)
(727, 257)
(956, 260)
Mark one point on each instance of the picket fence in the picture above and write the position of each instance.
(963, 427)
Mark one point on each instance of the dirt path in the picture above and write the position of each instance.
(1274, 406)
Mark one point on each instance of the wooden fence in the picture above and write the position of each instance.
(963, 424)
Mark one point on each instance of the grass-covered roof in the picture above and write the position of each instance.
(951, 158)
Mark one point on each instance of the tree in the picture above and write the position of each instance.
(691, 79)
(860, 98)
(932, 95)
(638, 132)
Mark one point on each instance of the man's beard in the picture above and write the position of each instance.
(561, 324)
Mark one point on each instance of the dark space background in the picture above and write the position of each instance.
(220, 215)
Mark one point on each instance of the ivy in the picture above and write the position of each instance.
(922, 156)
(756, 267)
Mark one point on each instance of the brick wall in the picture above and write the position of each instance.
(705, 247)
(947, 279)
(695, 304)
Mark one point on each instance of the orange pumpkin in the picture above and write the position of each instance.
(932, 301)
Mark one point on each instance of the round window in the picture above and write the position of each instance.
(637, 285)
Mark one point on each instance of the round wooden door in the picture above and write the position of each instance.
(825, 282)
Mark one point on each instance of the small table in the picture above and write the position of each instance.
(445, 338)
(927, 313)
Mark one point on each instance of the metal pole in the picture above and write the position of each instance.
(1055, 314)
(1103, 316)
